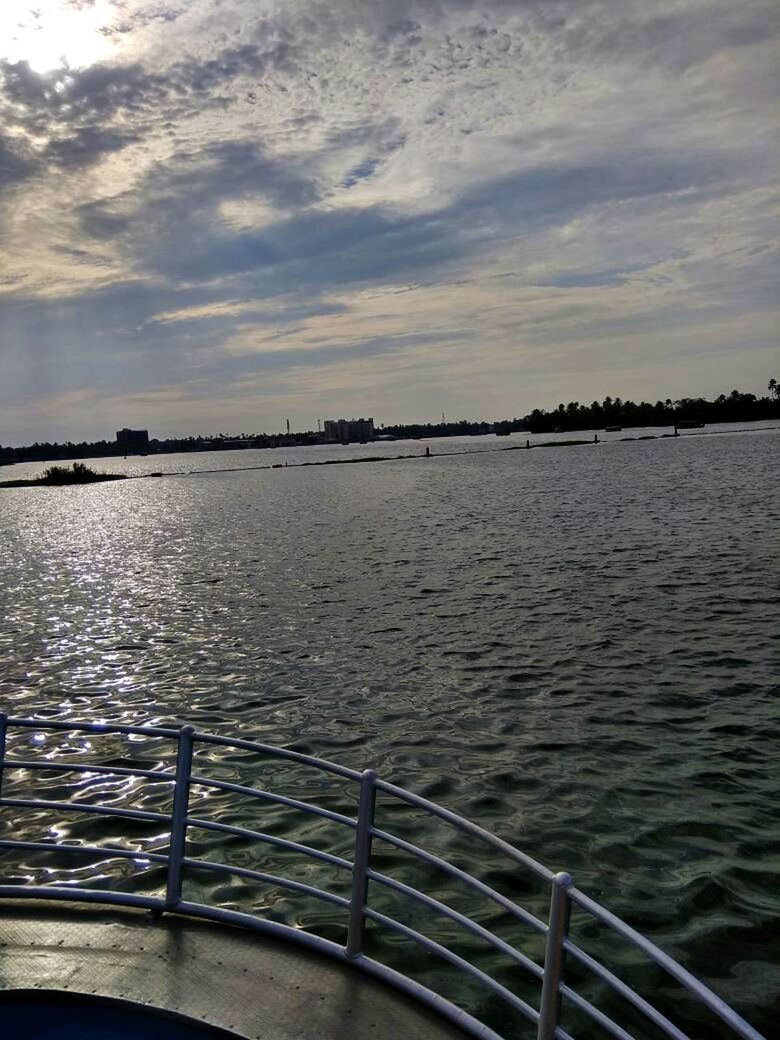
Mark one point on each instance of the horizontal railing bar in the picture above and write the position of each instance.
(449, 868)
(94, 727)
(158, 857)
(433, 947)
(276, 752)
(625, 991)
(271, 879)
(81, 895)
(270, 839)
(93, 850)
(279, 799)
(80, 767)
(465, 922)
(99, 810)
(467, 827)
(684, 977)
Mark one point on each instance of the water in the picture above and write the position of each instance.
(578, 647)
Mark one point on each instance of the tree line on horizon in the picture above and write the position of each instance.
(734, 407)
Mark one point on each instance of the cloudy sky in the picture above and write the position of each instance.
(215, 214)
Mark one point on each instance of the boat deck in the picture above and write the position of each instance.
(255, 986)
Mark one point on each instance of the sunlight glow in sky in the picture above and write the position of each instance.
(55, 33)
(217, 214)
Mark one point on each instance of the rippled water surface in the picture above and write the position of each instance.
(577, 647)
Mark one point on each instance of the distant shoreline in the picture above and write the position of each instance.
(572, 418)
(596, 441)
(178, 449)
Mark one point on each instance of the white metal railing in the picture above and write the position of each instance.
(554, 994)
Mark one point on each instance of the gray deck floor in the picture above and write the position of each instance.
(261, 988)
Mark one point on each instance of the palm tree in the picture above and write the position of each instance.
(773, 388)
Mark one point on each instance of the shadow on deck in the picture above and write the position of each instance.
(257, 987)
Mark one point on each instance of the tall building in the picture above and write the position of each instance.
(132, 440)
(343, 431)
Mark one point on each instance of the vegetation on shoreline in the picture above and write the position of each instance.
(59, 476)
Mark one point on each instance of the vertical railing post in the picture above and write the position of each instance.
(557, 931)
(181, 799)
(3, 728)
(362, 860)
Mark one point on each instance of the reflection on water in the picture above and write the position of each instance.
(578, 647)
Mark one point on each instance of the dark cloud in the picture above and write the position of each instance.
(72, 113)
(178, 203)
(86, 147)
(14, 167)
(360, 172)
(233, 170)
(34, 100)
(343, 247)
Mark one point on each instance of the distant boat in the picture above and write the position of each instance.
(689, 424)
(613, 429)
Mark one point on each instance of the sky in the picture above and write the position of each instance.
(219, 214)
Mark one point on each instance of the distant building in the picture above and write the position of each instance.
(132, 440)
(343, 431)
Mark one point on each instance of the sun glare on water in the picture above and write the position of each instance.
(50, 33)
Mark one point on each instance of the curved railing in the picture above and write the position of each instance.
(561, 953)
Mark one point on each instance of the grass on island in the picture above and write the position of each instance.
(544, 444)
(560, 444)
(59, 476)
